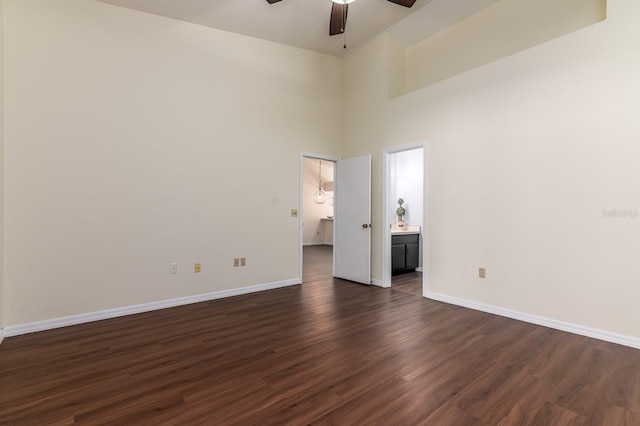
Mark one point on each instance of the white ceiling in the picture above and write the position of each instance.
(305, 23)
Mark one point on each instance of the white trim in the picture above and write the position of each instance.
(378, 283)
(620, 339)
(386, 235)
(16, 330)
(1, 335)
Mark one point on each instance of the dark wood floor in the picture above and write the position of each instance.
(409, 282)
(325, 352)
(318, 265)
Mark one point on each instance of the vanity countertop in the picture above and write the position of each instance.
(406, 230)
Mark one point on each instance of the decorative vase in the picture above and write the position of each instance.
(400, 211)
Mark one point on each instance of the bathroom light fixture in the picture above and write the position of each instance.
(319, 197)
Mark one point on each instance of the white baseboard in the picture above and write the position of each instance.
(377, 283)
(534, 319)
(419, 269)
(1, 335)
(16, 330)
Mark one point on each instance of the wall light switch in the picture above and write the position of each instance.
(482, 272)
(294, 212)
(173, 268)
(197, 267)
(243, 261)
(236, 262)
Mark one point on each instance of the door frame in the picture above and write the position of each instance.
(386, 235)
(315, 156)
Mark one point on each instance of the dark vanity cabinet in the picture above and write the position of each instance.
(404, 252)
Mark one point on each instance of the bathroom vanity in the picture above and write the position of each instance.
(405, 249)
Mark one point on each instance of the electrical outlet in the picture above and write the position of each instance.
(294, 212)
(236, 262)
(243, 261)
(482, 272)
(173, 268)
(197, 267)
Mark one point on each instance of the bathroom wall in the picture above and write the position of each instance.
(406, 181)
(407, 169)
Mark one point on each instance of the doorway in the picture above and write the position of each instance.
(317, 174)
(404, 247)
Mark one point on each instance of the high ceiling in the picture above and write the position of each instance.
(305, 23)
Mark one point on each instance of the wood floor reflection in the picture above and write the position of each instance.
(408, 282)
(325, 352)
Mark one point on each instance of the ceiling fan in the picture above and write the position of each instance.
(339, 8)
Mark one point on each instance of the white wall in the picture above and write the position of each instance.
(503, 28)
(407, 169)
(525, 153)
(133, 141)
(315, 230)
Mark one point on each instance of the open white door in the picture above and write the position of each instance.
(352, 241)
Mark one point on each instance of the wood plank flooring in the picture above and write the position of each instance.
(409, 282)
(325, 352)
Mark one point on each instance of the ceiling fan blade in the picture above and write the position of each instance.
(405, 3)
(338, 18)
(272, 1)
